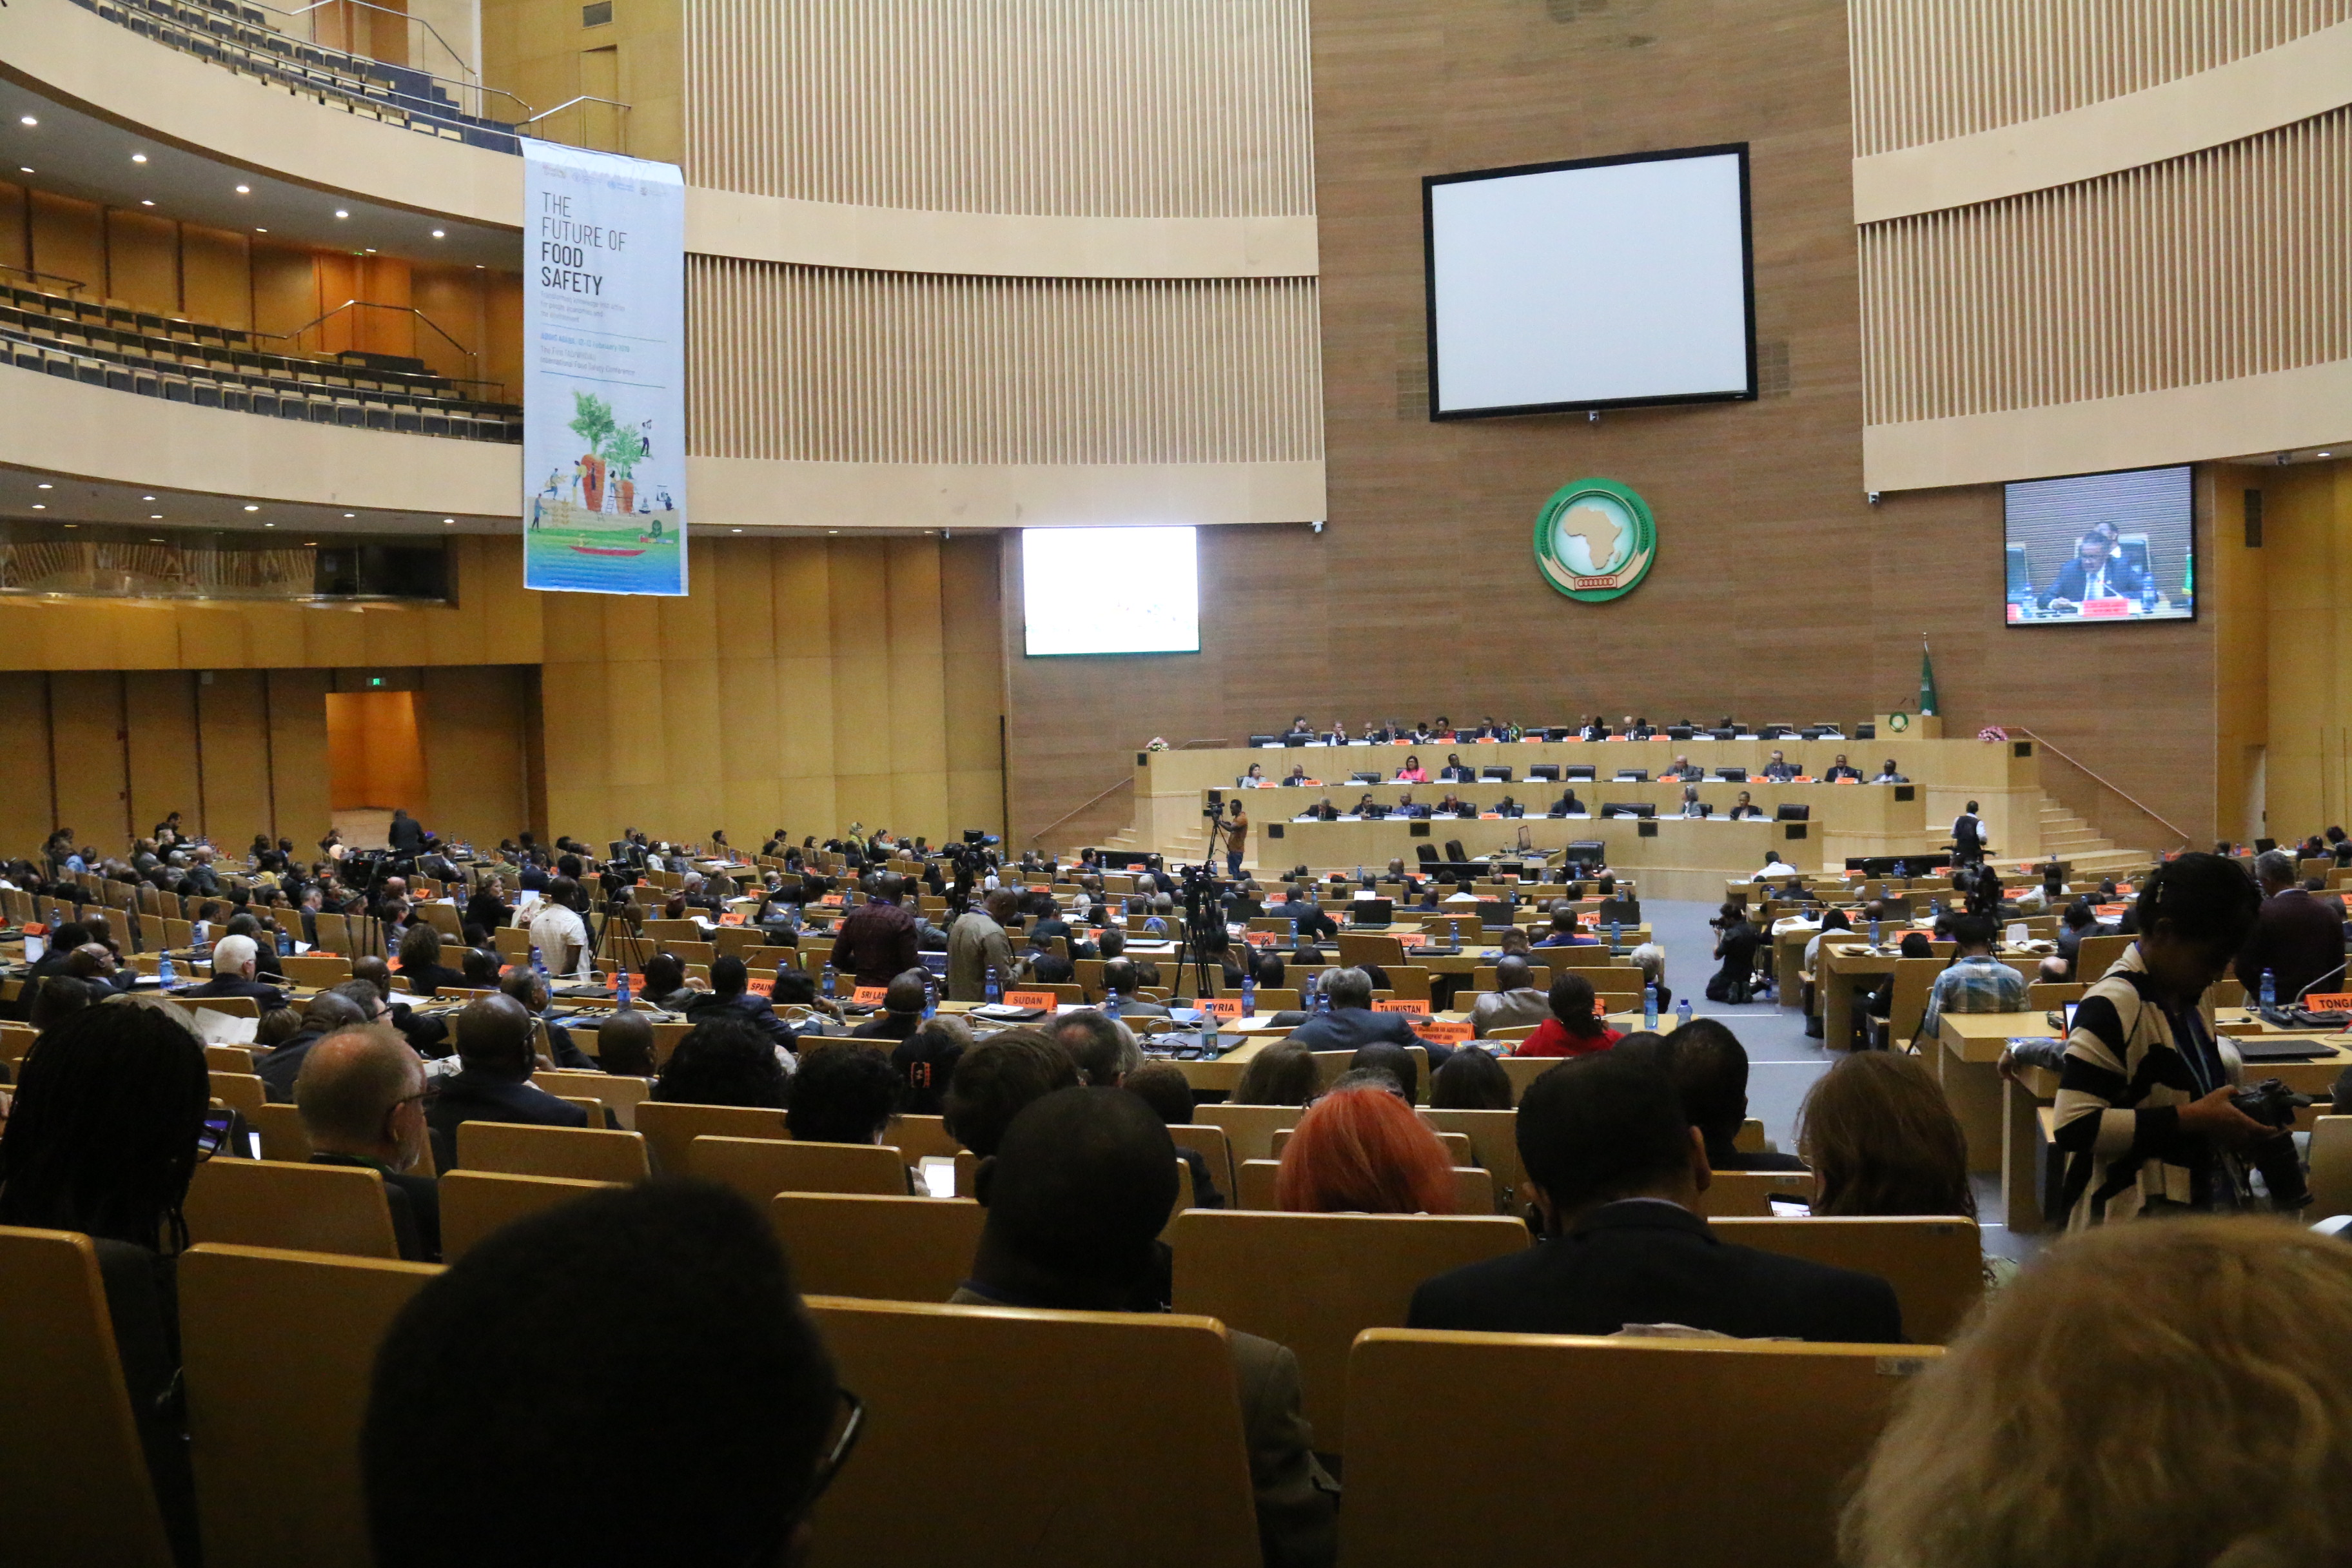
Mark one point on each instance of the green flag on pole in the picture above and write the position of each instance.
(1926, 682)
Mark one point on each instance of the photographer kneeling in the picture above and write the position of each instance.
(2149, 1117)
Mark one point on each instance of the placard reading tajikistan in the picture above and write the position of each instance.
(604, 325)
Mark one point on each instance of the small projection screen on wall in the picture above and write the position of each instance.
(1110, 590)
(1588, 284)
(2101, 547)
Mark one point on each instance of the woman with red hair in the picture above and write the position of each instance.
(1361, 1150)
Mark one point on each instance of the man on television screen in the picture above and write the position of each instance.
(2096, 572)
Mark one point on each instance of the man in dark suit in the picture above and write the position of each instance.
(1843, 770)
(496, 1059)
(235, 959)
(406, 836)
(731, 992)
(1968, 837)
(903, 1001)
(361, 1095)
(1614, 1169)
(1710, 1072)
(353, 1002)
(527, 988)
(1120, 978)
(1566, 804)
(1454, 772)
(1076, 1191)
(2095, 573)
(1352, 1024)
(1296, 906)
(2297, 938)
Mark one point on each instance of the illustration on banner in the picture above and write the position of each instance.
(597, 512)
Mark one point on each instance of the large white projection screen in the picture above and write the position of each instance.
(1581, 285)
(1110, 590)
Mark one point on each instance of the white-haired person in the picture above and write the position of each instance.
(235, 961)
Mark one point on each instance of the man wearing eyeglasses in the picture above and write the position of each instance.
(361, 1095)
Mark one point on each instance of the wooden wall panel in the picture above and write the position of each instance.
(1170, 107)
(2308, 568)
(297, 705)
(825, 364)
(142, 260)
(216, 276)
(160, 713)
(474, 722)
(2228, 263)
(1927, 69)
(69, 241)
(15, 227)
(1421, 595)
(2233, 587)
(972, 640)
(86, 722)
(235, 728)
(27, 808)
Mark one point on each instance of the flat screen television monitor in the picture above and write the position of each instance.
(2101, 548)
(1110, 590)
(1590, 284)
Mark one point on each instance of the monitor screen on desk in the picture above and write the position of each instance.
(1110, 590)
(2099, 548)
(1589, 283)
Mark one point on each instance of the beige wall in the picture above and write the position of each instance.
(538, 50)
(2307, 574)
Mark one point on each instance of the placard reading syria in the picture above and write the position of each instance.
(1595, 539)
(604, 452)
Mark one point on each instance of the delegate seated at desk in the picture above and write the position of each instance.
(1568, 806)
(1779, 769)
(1367, 809)
(1682, 772)
(1745, 809)
(2095, 573)
(1890, 774)
(1408, 806)
(1413, 771)
(1298, 778)
(1843, 770)
(1454, 772)
(1506, 807)
(1454, 805)
(1691, 805)
(1321, 811)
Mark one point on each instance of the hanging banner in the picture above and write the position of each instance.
(603, 327)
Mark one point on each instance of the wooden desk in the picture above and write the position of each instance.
(1996, 1115)
(1684, 858)
(1845, 972)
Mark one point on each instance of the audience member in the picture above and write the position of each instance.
(925, 1063)
(625, 1045)
(731, 997)
(2296, 938)
(1514, 1002)
(1350, 1023)
(1736, 940)
(996, 1076)
(1882, 1139)
(665, 985)
(1470, 1080)
(1283, 1073)
(1393, 1062)
(420, 962)
(493, 1081)
(531, 992)
(1574, 1029)
(2123, 1402)
(1077, 1196)
(721, 1404)
(1976, 982)
(876, 940)
(1709, 1066)
(236, 961)
(353, 1002)
(360, 1096)
(1164, 1087)
(842, 1094)
(903, 1001)
(1613, 1171)
(1103, 1048)
(1362, 1151)
(558, 931)
(724, 1059)
(977, 946)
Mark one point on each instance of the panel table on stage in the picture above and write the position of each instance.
(1698, 847)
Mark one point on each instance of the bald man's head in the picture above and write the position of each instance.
(331, 1010)
(494, 1038)
(361, 1092)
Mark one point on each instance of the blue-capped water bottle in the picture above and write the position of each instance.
(621, 991)
(1294, 930)
(930, 995)
(993, 992)
(1650, 1008)
(1249, 995)
(164, 971)
(1616, 933)
(2270, 991)
(1873, 931)
(831, 980)
(538, 964)
(1682, 1012)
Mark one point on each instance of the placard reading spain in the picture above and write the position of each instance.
(604, 453)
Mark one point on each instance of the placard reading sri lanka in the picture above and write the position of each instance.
(604, 453)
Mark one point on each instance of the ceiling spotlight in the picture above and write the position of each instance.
(39, 507)
(44, 485)
(309, 544)
(350, 514)
(2326, 454)
(155, 517)
(24, 168)
(70, 525)
(146, 203)
(734, 531)
(438, 233)
(341, 213)
(269, 525)
(449, 520)
(155, 541)
(26, 120)
(252, 508)
(833, 531)
(244, 190)
(261, 231)
(138, 157)
(146, 498)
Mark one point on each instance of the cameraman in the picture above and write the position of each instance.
(2146, 1119)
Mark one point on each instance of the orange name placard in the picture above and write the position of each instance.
(1260, 938)
(761, 987)
(1438, 1032)
(873, 994)
(1222, 1006)
(1395, 1007)
(1408, 938)
(831, 900)
(2106, 609)
(1044, 999)
(2328, 1002)
(731, 917)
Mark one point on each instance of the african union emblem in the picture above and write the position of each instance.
(1595, 539)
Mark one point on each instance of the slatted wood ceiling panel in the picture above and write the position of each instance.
(1927, 69)
(1114, 108)
(826, 364)
(2230, 262)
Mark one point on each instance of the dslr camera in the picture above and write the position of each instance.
(2272, 1104)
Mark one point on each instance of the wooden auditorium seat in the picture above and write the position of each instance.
(621, 1096)
(1936, 1264)
(1249, 1129)
(669, 1128)
(889, 1248)
(1314, 1281)
(1211, 1144)
(278, 1347)
(476, 1203)
(1715, 1450)
(1000, 1412)
(759, 1168)
(77, 1487)
(581, 1154)
(283, 1136)
(1494, 1137)
(275, 1203)
(1253, 1188)
(1748, 1194)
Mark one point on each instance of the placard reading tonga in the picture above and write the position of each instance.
(604, 372)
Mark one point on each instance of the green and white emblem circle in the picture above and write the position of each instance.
(1898, 722)
(1595, 539)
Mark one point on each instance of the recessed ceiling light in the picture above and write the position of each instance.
(269, 525)
(24, 168)
(309, 544)
(371, 250)
(26, 120)
(261, 231)
(44, 485)
(138, 157)
(833, 531)
(341, 213)
(449, 520)
(2327, 454)
(244, 190)
(734, 531)
(146, 203)
(146, 498)
(71, 525)
(39, 507)
(350, 514)
(155, 541)
(437, 234)
(154, 517)
(251, 508)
